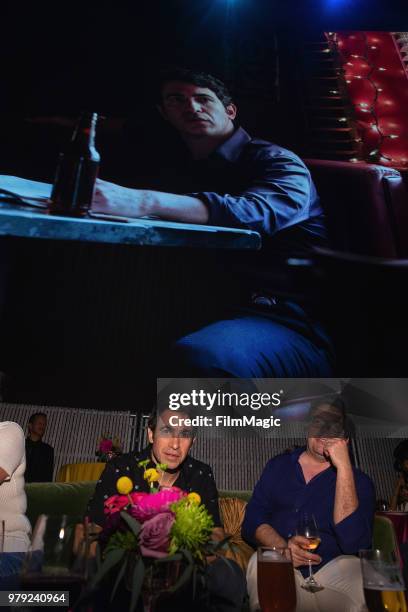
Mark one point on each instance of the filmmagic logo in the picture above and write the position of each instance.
(224, 421)
(203, 399)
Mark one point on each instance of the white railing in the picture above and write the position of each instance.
(74, 433)
(237, 461)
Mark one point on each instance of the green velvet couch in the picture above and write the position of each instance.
(72, 498)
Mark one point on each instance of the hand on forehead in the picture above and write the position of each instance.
(327, 421)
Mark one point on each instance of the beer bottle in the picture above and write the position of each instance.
(77, 171)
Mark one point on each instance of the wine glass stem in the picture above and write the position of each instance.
(310, 571)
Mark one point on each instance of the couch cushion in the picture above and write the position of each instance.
(244, 495)
(57, 498)
(366, 206)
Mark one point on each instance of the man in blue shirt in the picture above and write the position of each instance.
(318, 480)
(230, 179)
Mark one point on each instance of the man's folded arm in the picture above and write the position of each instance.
(12, 449)
(277, 197)
(255, 527)
(209, 497)
(105, 488)
(356, 530)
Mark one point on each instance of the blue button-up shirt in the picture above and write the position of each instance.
(261, 186)
(282, 494)
(254, 184)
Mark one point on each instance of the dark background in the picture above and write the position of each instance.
(58, 58)
(74, 328)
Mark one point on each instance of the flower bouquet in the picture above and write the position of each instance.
(108, 448)
(155, 542)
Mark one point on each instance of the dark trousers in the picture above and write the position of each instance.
(248, 345)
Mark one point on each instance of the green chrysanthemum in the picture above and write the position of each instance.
(192, 527)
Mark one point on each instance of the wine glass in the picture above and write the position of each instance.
(307, 527)
(57, 559)
(383, 584)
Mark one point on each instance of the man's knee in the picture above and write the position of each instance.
(343, 564)
(200, 356)
(190, 356)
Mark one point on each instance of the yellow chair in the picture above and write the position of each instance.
(77, 472)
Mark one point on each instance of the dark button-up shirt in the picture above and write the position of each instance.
(253, 184)
(262, 187)
(39, 461)
(195, 476)
(282, 494)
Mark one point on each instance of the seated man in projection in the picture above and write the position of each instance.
(228, 178)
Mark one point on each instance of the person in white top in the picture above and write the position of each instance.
(15, 528)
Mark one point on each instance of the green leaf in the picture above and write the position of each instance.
(227, 562)
(186, 575)
(214, 545)
(137, 581)
(98, 556)
(184, 578)
(175, 557)
(132, 523)
(187, 554)
(194, 582)
(112, 559)
(119, 577)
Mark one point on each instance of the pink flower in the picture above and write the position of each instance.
(151, 504)
(115, 503)
(136, 497)
(154, 535)
(105, 446)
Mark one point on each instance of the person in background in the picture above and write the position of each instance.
(399, 500)
(39, 454)
(15, 528)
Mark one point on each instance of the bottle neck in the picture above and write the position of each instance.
(84, 133)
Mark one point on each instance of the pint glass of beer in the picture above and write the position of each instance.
(382, 581)
(276, 580)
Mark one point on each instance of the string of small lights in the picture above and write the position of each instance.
(358, 54)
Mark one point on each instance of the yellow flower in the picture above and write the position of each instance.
(151, 475)
(194, 498)
(124, 485)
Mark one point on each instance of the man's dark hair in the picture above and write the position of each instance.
(157, 412)
(35, 415)
(200, 79)
(333, 422)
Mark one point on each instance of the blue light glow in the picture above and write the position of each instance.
(339, 4)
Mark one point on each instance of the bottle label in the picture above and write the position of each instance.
(73, 186)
